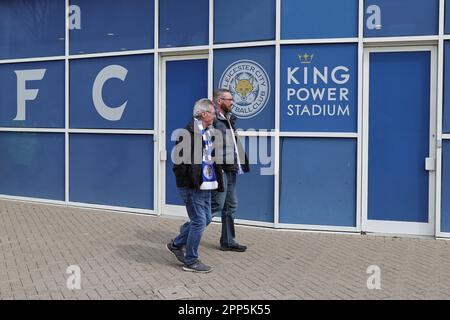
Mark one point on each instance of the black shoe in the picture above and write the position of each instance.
(177, 252)
(234, 247)
(197, 267)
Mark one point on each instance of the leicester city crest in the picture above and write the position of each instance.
(249, 84)
(208, 172)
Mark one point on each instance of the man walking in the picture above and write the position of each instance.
(234, 161)
(196, 175)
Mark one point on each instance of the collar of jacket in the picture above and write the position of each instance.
(231, 117)
(191, 127)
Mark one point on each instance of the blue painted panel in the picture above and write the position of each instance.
(318, 181)
(319, 88)
(32, 165)
(446, 113)
(183, 23)
(319, 19)
(136, 90)
(255, 190)
(31, 28)
(398, 136)
(447, 17)
(401, 18)
(250, 74)
(112, 26)
(181, 94)
(445, 195)
(114, 170)
(47, 109)
(253, 21)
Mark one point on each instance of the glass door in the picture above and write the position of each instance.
(399, 140)
(184, 81)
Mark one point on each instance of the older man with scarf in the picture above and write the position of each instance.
(196, 176)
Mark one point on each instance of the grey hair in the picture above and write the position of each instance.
(201, 106)
(218, 93)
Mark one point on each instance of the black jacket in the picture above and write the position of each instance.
(188, 173)
(221, 124)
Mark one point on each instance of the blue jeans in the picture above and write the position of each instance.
(226, 203)
(198, 206)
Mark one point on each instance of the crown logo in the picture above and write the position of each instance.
(305, 58)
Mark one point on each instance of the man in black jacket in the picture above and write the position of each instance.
(234, 161)
(196, 176)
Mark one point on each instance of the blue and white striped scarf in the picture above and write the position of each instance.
(209, 181)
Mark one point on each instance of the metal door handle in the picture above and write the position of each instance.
(430, 164)
(163, 155)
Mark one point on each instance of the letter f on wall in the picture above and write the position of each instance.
(24, 94)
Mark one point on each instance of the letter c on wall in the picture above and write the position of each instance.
(109, 72)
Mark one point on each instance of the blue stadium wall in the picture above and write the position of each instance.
(83, 104)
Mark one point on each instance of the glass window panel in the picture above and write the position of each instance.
(445, 193)
(110, 169)
(31, 28)
(257, 205)
(249, 74)
(319, 88)
(183, 23)
(319, 19)
(447, 17)
(106, 25)
(32, 95)
(254, 20)
(446, 115)
(112, 93)
(32, 165)
(387, 18)
(318, 181)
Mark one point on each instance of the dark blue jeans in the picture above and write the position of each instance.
(198, 206)
(225, 204)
